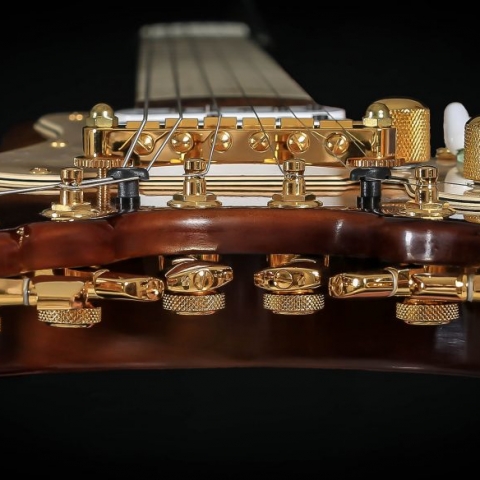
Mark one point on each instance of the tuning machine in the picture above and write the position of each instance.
(191, 284)
(64, 299)
(291, 283)
(431, 294)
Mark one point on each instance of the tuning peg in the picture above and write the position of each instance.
(432, 294)
(291, 282)
(192, 283)
(65, 300)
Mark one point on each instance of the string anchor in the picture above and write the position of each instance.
(71, 205)
(194, 193)
(293, 190)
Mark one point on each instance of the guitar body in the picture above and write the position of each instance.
(244, 389)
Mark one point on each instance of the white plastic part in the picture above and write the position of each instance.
(454, 119)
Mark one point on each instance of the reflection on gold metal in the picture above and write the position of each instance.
(411, 121)
(445, 155)
(102, 165)
(192, 284)
(415, 312)
(40, 171)
(426, 203)
(290, 282)
(65, 300)
(293, 191)
(428, 291)
(471, 154)
(194, 194)
(239, 140)
(71, 205)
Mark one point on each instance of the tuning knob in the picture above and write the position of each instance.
(414, 312)
(192, 285)
(73, 318)
(290, 283)
(412, 122)
(293, 304)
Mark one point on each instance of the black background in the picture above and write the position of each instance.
(246, 421)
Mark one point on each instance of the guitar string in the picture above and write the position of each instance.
(248, 101)
(317, 135)
(110, 180)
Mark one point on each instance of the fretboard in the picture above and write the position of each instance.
(210, 65)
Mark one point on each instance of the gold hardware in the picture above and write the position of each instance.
(255, 140)
(293, 191)
(192, 283)
(101, 115)
(432, 292)
(71, 205)
(194, 194)
(377, 117)
(290, 281)
(426, 204)
(414, 312)
(411, 121)
(40, 171)
(102, 164)
(65, 300)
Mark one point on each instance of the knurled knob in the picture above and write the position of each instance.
(293, 304)
(72, 318)
(471, 154)
(412, 122)
(194, 304)
(432, 313)
(98, 162)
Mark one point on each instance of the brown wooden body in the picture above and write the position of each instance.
(346, 334)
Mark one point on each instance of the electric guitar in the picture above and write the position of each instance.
(228, 220)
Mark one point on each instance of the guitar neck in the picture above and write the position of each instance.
(211, 66)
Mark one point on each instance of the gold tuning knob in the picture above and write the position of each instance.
(432, 294)
(415, 312)
(290, 282)
(192, 284)
(64, 300)
(205, 304)
(71, 318)
(293, 304)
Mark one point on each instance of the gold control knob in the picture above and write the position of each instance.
(412, 122)
(415, 312)
(471, 154)
(73, 318)
(192, 285)
(290, 283)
